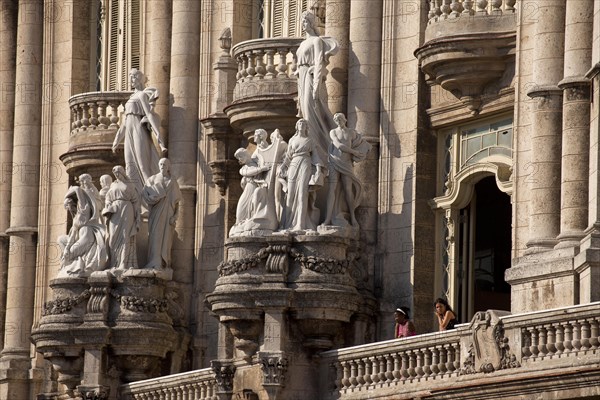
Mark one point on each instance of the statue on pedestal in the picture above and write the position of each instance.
(313, 56)
(83, 249)
(347, 147)
(122, 213)
(163, 196)
(141, 156)
(302, 169)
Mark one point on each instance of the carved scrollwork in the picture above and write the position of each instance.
(224, 374)
(98, 302)
(320, 264)
(61, 306)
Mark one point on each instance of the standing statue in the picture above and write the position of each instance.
(253, 214)
(141, 157)
(162, 195)
(122, 214)
(302, 169)
(105, 182)
(347, 146)
(313, 56)
(85, 182)
(83, 249)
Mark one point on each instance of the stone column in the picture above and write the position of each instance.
(576, 120)
(24, 201)
(8, 51)
(544, 221)
(183, 140)
(364, 76)
(337, 24)
(160, 59)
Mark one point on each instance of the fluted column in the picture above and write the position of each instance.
(160, 58)
(8, 51)
(337, 18)
(24, 201)
(544, 221)
(183, 140)
(576, 121)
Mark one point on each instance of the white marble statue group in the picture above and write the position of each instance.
(106, 222)
(280, 181)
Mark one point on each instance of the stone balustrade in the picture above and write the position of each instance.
(440, 10)
(494, 347)
(265, 67)
(95, 119)
(197, 385)
(96, 111)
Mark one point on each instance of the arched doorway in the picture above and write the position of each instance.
(484, 251)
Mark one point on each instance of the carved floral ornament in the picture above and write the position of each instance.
(274, 368)
(315, 262)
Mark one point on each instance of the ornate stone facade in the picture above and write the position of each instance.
(478, 125)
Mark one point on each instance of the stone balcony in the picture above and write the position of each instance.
(95, 119)
(545, 354)
(266, 89)
(468, 45)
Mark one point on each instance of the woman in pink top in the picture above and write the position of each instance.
(404, 326)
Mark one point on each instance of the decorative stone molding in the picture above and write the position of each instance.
(93, 393)
(224, 373)
(141, 304)
(64, 305)
(274, 368)
(320, 264)
(227, 268)
(489, 350)
(277, 261)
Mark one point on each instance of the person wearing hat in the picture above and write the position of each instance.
(404, 326)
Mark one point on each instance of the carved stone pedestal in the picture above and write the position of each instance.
(275, 289)
(104, 331)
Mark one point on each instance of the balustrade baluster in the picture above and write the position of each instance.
(456, 354)
(412, 365)
(542, 342)
(568, 338)
(282, 67)
(435, 361)
(450, 356)
(431, 15)
(260, 66)
(559, 339)
(245, 63)
(78, 117)
(203, 390)
(419, 370)
(468, 7)
(397, 367)
(405, 366)
(73, 119)
(456, 8)
(85, 121)
(382, 363)
(585, 335)
(534, 349)
(93, 107)
(346, 373)
(446, 9)
(389, 368)
(443, 359)
(594, 333)
(374, 370)
(114, 114)
(360, 378)
(576, 336)
(496, 7)
(438, 9)
(103, 120)
(482, 7)
(353, 373)
(251, 69)
(427, 362)
(270, 64)
(551, 339)
(368, 371)
(294, 64)
(510, 6)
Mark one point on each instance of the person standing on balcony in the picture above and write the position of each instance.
(141, 156)
(404, 326)
(313, 56)
(446, 317)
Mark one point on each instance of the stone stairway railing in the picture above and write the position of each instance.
(196, 385)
